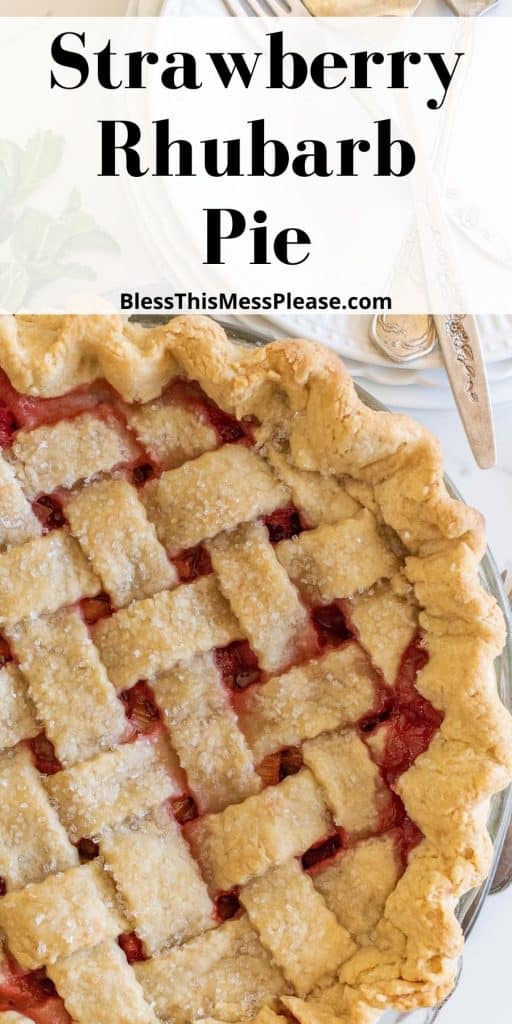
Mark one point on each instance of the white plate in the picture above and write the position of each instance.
(348, 335)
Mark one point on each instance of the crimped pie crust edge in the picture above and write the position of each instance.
(304, 396)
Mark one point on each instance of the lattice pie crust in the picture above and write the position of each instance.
(250, 721)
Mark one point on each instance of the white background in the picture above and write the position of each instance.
(358, 225)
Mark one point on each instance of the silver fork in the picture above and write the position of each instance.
(267, 8)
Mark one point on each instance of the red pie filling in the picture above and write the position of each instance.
(8, 425)
(87, 849)
(5, 652)
(95, 608)
(140, 707)
(141, 473)
(132, 947)
(45, 758)
(227, 905)
(32, 995)
(27, 412)
(238, 665)
(48, 510)
(192, 563)
(276, 767)
(228, 429)
(284, 523)
(410, 720)
(184, 808)
(324, 851)
(330, 624)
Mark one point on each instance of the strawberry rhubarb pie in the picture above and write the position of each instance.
(249, 722)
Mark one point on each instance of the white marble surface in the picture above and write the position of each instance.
(489, 490)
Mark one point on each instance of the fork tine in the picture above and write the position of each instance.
(266, 8)
(281, 8)
(235, 8)
(259, 8)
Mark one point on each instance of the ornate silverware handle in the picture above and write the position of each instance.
(463, 357)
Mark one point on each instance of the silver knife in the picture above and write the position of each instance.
(463, 357)
(458, 334)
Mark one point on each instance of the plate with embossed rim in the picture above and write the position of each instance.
(422, 384)
(348, 334)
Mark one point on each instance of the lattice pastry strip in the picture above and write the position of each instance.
(319, 696)
(111, 787)
(320, 499)
(99, 987)
(225, 974)
(171, 433)
(205, 734)
(151, 636)
(295, 925)
(62, 914)
(386, 623)
(261, 595)
(17, 520)
(69, 451)
(159, 883)
(215, 492)
(33, 843)
(18, 720)
(247, 839)
(110, 523)
(43, 575)
(357, 884)
(69, 685)
(351, 782)
(338, 560)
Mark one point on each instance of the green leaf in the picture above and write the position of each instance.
(94, 238)
(51, 271)
(10, 160)
(7, 221)
(77, 270)
(29, 238)
(72, 232)
(39, 159)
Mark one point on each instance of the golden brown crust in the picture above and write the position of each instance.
(312, 414)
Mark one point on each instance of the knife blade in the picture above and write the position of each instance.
(458, 334)
(461, 347)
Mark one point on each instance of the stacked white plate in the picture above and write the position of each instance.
(422, 384)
